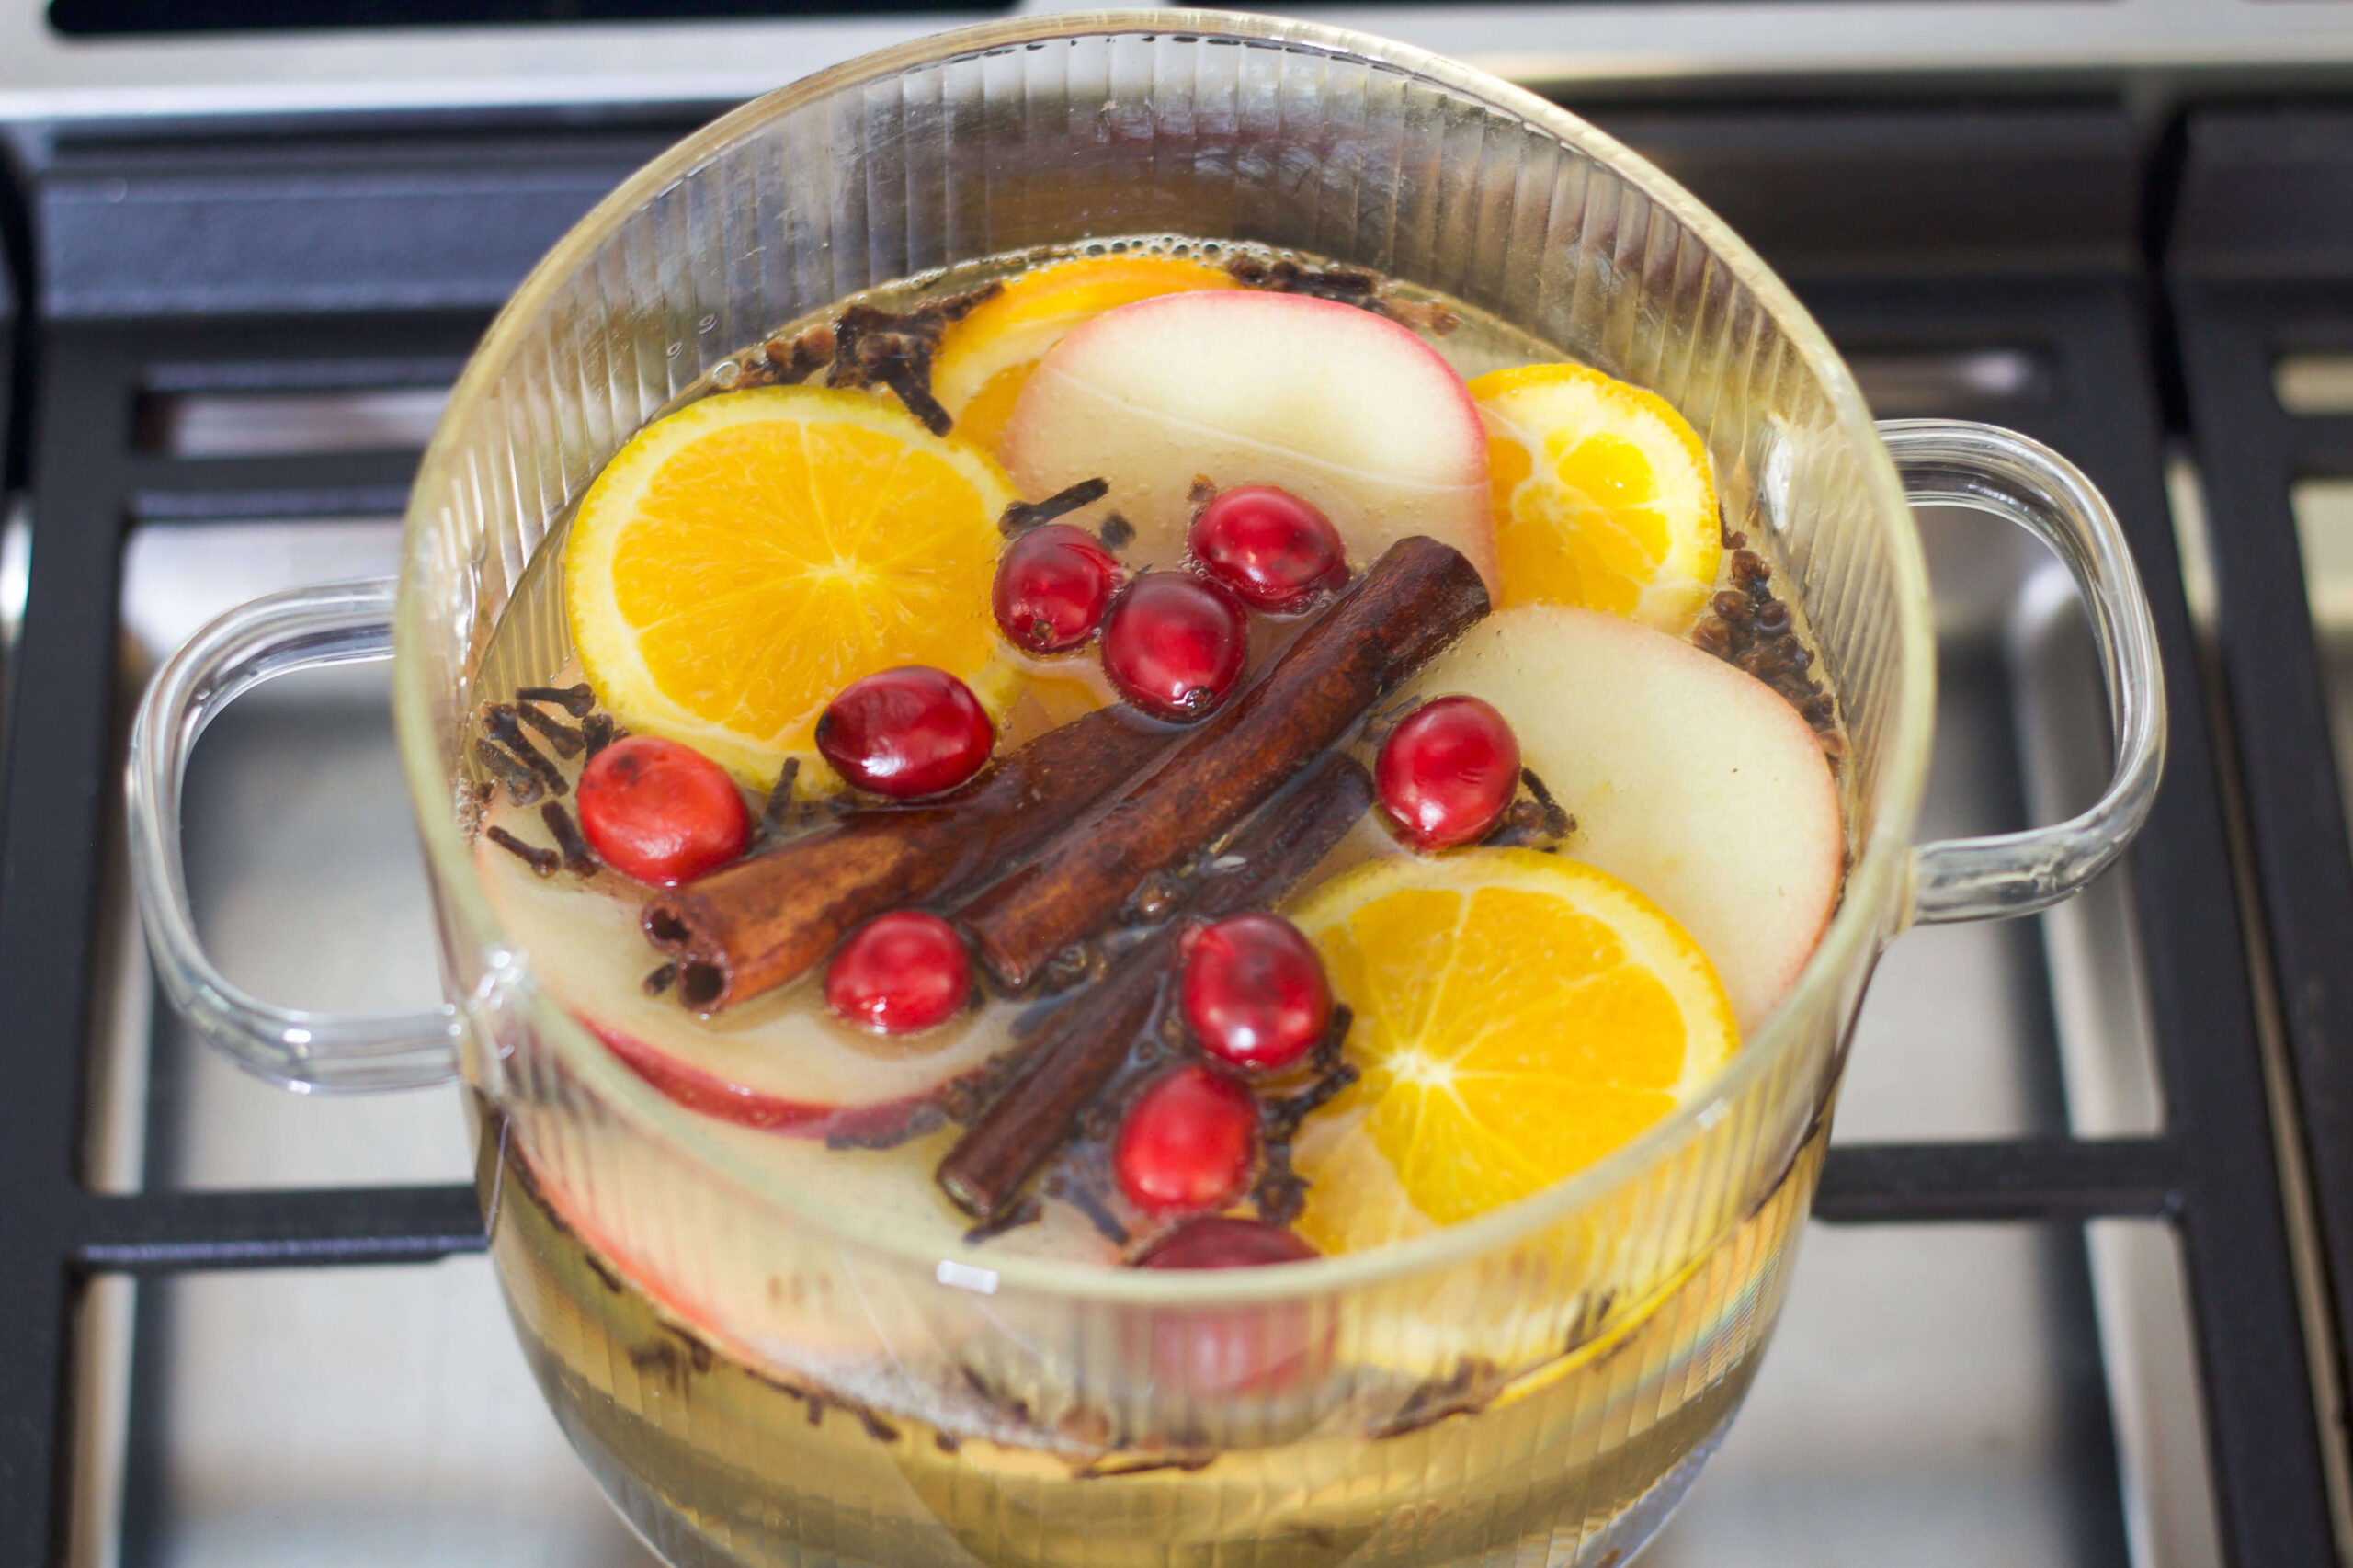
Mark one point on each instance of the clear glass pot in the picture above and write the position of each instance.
(758, 1379)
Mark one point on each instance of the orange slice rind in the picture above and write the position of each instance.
(1518, 1016)
(740, 561)
(1603, 497)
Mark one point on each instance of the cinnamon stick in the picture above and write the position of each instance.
(763, 921)
(1083, 1048)
(1417, 598)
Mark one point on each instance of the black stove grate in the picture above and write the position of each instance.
(355, 263)
(2261, 268)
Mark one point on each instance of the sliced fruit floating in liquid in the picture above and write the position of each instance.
(763, 556)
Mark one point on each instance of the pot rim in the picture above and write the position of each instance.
(1874, 903)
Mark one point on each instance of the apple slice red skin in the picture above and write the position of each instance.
(885, 1122)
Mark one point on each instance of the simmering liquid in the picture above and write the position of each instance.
(718, 1462)
(1664, 814)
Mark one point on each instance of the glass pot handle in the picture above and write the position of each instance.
(339, 623)
(1952, 462)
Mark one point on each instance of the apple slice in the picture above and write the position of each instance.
(1347, 409)
(775, 1063)
(1688, 776)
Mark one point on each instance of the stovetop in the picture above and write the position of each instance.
(2072, 1294)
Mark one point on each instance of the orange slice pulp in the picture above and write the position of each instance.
(1602, 494)
(1518, 1016)
(743, 559)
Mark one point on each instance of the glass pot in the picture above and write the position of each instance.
(757, 1379)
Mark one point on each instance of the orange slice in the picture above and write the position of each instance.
(1602, 496)
(740, 561)
(1518, 1016)
(984, 360)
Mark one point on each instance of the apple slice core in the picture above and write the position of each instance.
(1345, 408)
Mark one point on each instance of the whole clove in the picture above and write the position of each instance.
(523, 785)
(1280, 1193)
(543, 862)
(1751, 628)
(577, 701)
(1023, 515)
(905, 367)
(500, 720)
(779, 802)
(1280, 1118)
(790, 360)
(1347, 285)
(1537, 820)
(578, 858)
(1415, 600)
(877, 347)
(597, 731)
(566, 740)
(1071, 1060)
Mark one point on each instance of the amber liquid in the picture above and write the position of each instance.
(1573, 1463)
(717, 1461)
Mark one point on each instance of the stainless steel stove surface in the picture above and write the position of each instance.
(1935, 1396)
(2046, 1314)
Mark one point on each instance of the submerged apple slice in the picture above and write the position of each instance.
(1342, 407)
(1688, 778)
(774, 1063)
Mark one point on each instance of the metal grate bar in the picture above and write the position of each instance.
(2226, 1183)
(159, 1231)
(2261, 263)
(2022, 1179)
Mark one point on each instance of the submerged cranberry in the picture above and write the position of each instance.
(1214, 1350)
(1268, 546)
(1053, 586)
(1174, 644)
(898, 973)
(1447, 774)
(912, 731)
(660, 811)
(1254, 991)
(1217, 1242)
(1186, 1143)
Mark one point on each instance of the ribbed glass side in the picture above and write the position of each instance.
(758, 1383)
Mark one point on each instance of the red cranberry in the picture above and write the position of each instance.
(1447, 774)
(1053, 586)
(1218, 1243)
(912, 731)
(1254, 991)
(1174, 644)
(660, 811)
(1269, 547)
(1186, 1143)
(898, 973)
(1262, 1347)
